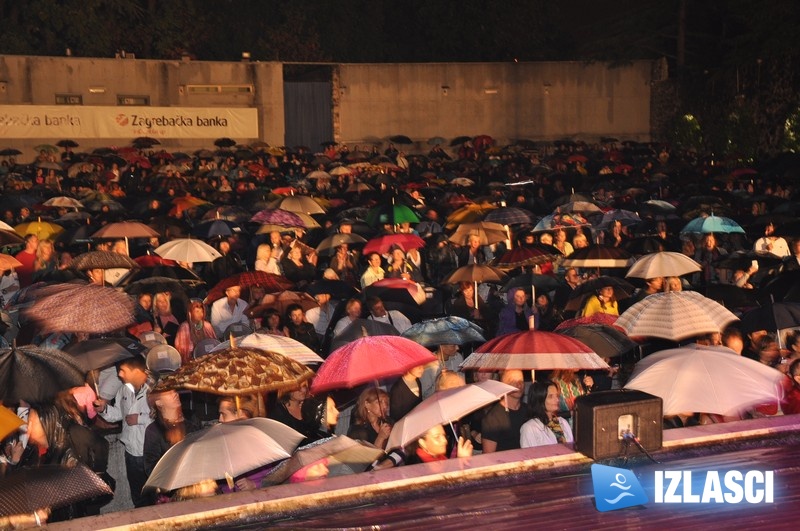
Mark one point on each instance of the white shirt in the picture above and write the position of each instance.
(268, 266)
(129, 403)
(321, 319)
(222, 316)
(779, 246)
(394, 318)
(534, 433)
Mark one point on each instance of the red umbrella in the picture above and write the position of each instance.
(598, 318)
(381, 244)
(415, 291)
(369, 359)
(281, 302)
(524, 256)
(533, 349)
(271, 283)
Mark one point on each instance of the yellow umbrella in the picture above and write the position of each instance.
(9, 422)
(471, 213)
(43, 229)
(488, 232)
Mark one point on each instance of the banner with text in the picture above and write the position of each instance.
(60, 121)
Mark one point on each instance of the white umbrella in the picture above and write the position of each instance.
(445, 407)
(188, 250)
(287, 346)
(675, 315)
(705, 379)
(63, 202)
(231, 448)
(663, 264)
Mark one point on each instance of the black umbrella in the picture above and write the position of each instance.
(104, 352)
(606, 341)
(731, 296)
(67, 143)
(360, 328)
(772, 317)
(10, 152)
(102, 260)
(784, 287)
(337, 289)
(542, 283)
(30, 489)
(224, 142)
(36, 374)
(457, 141)
(216, 228)
(155, 284)
(400, 139)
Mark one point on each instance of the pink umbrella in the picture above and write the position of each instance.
(533, 349)
(382, 244)
(369, 359)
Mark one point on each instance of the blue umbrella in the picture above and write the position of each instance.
(445, 331)
(712, 223)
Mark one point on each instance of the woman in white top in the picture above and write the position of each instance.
(265, 261)
(545, 426)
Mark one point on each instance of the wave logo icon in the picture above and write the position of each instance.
(616, 488)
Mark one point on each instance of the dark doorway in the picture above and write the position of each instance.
(308, 105)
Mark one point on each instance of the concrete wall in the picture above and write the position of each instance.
(505, 100)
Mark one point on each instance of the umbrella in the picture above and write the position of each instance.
(663, 264)
(488, 232)
(783, 287)
(337, 289)
(43, 229)
(238, 371)
(524, 256)
(362, 328)
(47, 148)
(445, 331)
(36, 374)
(154, 284)
(605, 340)
(510, 216)
(382, 244)
(712, 223)
(392, 214)
(457, 141)
(102, 260)
(188, 250)
(7, 262)
(342, 456)
(282, 300)
(675, 315)
(732, 296)
(598, 318)
(543, 283)
(277, 216)
(400, 139)
(476, 273)
(299, 203)
(622, 288)
(286, 346)
(329, 245)
(444, 407)
(63, 202)
(227, 449)
(270, 282)
(145, 142)
(706, 379)
(579, 207)
(469, 213)
(126, 229)
(318, 174)
(9, 422)
(533, 349)
(436, 140)
(48, 486)
(560, 221)
(369, 359)
(397, 290)
(85, 308)
(67, 143)
(103, 352)
(775, 316)
(598, 256)
(224, 142)
(9, 152)
(154, 266)
(8, 237)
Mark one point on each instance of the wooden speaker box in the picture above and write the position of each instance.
(601, 420)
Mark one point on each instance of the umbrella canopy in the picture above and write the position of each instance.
(238, 371)
(299, 203)
(188, 250)
(9, 422)
(8, 237)
(445, 331)
(329, 245)
(705, 379)
(524, 256)
(510, 216)
(382, 244)
(63, 202)
(155, 284)
(560, 221)
(342, 456)
(126, 229)
(784, 287)
(102, 260)
(225, 449)
(36, 374)
(663, 264)
(712, 223)
(368, 359)
(469, 213)
(675, 315)
(270, 282)
(104, 352)
(488, 232)
(337, 289)
(598, 256)
(362, 328)
(607, 341)
(476, 273)
(400, 139)
(43, 229)
(595, 319)
(216, 228)
(277, 216)
(48, 486)
(91, 309)
(533, 349)
(775, 316)
(526, 280)
(622, 288)
(445, 407)
(393, 213)
(282, 300)
(397, 290)
(7, 262)
(286, 346)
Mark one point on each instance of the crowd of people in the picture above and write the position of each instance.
(635, 198)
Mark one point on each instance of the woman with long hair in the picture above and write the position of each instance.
(193, 330)
(545, 425)
(372, 422)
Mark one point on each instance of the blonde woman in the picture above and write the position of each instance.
(265, 261)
